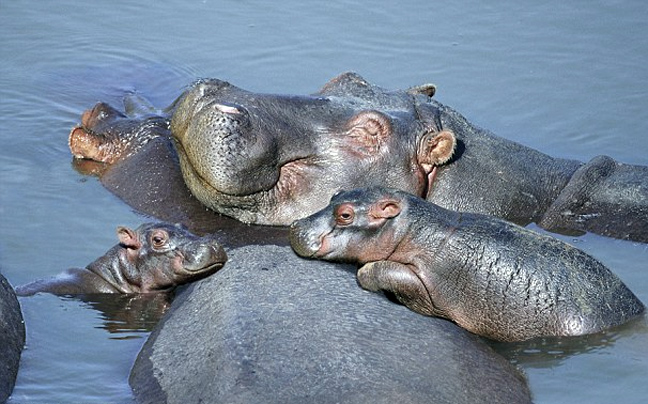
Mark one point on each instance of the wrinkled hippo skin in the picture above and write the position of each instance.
(268, 159)
(151, 180)
(490, 276)
(152, 258)
(12, 338)
(273, 328)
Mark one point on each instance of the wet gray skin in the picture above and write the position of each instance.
(155, 257)
(492, 277)
(269, 159)
(108, 135)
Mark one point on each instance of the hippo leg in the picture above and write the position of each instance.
(400, 281)
(604, 197)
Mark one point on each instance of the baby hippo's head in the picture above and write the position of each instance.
(161, 255)
(359, 226)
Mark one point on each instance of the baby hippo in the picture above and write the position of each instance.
(492, 277)
(154, 257)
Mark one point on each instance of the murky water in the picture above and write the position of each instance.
(567, 78)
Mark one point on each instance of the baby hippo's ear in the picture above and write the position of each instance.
(385, 209)
(128, 238)
(436, 149)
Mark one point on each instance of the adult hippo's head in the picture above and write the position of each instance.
(270, 159)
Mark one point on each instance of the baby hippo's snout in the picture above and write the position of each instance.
(203, 255)
(306, 237)
(301, 240)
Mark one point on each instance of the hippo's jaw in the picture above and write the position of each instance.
(280, 204)
(241, 157)
(186, 262)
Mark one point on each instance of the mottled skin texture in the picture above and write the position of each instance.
(492, 277)
(268, 159)
(154, 257)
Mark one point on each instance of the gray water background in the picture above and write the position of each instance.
(569, 78)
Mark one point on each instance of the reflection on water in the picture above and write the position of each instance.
(551, 352)
(125, 314)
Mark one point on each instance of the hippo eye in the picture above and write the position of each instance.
(159, 239)
(344, 214)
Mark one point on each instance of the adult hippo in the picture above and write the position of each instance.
(154, 257)
(492, 277)
(274, 328)
(269, 159)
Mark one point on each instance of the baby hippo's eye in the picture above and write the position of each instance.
(344, 214)
(159, 238)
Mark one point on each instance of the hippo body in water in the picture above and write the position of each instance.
(273, 328)
(492, 277)
(269, 159)
(152, 258)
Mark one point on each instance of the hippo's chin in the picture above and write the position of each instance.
(207, 270)
(289, 198)
(213, 198)
(314, 252)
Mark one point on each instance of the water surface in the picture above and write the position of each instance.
(567, 78)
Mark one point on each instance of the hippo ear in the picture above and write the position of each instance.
(426, 89)
(128, 238)
(385, 209)
(436, 149)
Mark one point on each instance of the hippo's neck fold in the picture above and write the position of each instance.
(114, 269)
(495, 176)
